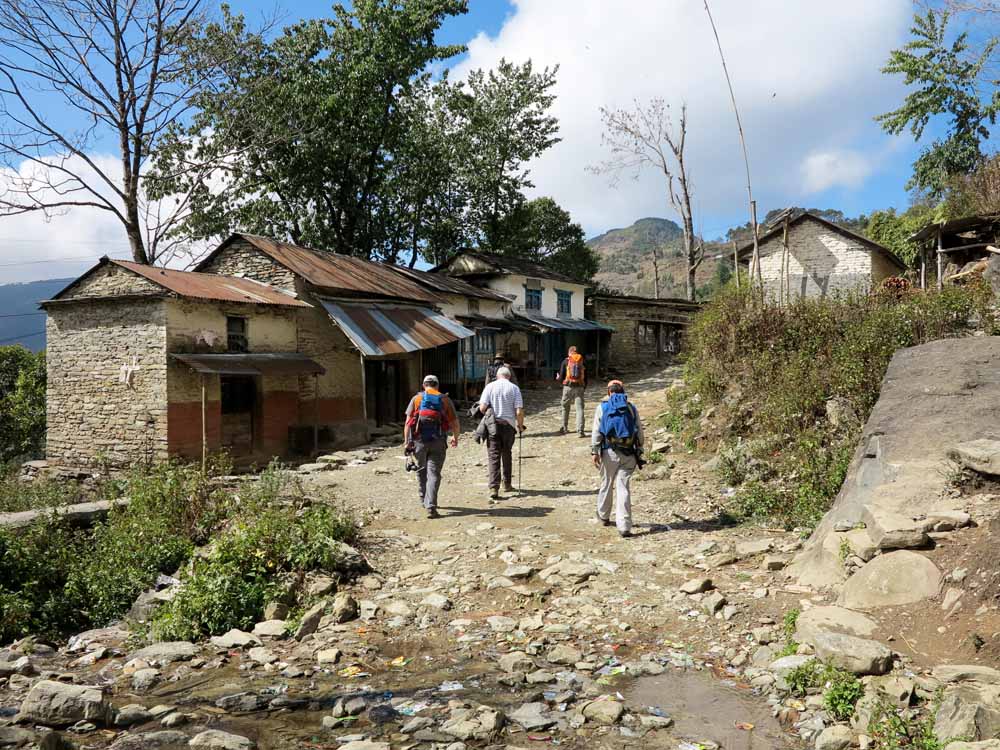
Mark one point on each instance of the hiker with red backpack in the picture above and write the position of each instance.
(616, 447)
(573, 375)
(430, 417)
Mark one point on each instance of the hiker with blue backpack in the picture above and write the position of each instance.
(616, 447)
(430, 418)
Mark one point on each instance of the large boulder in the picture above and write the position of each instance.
(966, 711)
(218, 740)
(981, 455)
(890, 530)
(831, 619)
(58, 704)
(901, 577)
(166, 652)
(934, 396)
(857, 655)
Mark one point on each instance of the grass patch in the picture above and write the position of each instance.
(17, 496)
(894, 729)
(760, 378)
(841, 689)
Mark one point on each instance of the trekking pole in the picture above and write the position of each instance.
(520, 451)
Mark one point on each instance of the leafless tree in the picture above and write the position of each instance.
(77, 76)
(645, 137)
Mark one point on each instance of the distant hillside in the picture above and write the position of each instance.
(627, 260)
(27, 326)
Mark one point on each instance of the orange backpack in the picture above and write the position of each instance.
(575, 371)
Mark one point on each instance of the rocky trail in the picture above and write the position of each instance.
(519, 624)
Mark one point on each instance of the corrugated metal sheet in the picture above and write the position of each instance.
(379, 330)
(561, 324)
(341, 273)
(212, 286)
(271, 363)
(448, 284)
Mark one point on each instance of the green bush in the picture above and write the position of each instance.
(842, 694)
(230, 586)
(22, 403)
(894, 729)
(769, 371)
(17, 496)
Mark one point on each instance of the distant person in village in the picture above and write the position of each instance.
(430, 418)
(573, 375)
(616, 445)
(499, 360)
(503, 399)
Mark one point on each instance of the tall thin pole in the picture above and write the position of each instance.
(204, 429)
(736, 263)
(739, 127)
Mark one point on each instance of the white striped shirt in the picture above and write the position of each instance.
(504, 398)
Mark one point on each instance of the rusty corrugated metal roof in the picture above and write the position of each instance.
(449, 284)
(261, 363)
(379, 330)
(335, 272)
(212, 286)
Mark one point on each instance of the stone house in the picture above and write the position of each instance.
(128, 346)
(646, 331)
(268, 349)
(549, 307)
(822, 259)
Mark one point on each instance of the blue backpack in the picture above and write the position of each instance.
(430, 416)
(619, 422)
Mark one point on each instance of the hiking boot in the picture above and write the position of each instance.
(508, 487)
(433, 513)
(603, 521)
(494, 493)
(624, 534)
(583, 434)
(562, 430)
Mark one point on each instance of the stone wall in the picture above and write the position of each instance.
(626, 347)
(110, 280)
(241, 258)
(823, 262)
(92, 414)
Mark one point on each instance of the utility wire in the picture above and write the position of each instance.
(47, 260)
(23, 336)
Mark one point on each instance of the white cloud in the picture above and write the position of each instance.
(807, 80)
(822, 170)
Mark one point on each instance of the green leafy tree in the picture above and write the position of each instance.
(893, 230)
(22, 403)
(544, 233)
(944, 78)
(297, 137)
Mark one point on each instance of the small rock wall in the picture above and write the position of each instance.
(626, 346)
(241, 258)
(96, 410)
(111, 281)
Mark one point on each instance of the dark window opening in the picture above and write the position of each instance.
(236, 334)
(565, 302)
(485, 342)
(473, 307)
(533, 299)
(238, 394)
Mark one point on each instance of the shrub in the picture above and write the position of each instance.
(770, 371)
(16, 495)
(265, 542)
(842, 694)
(54, 579)
(893, 729)
(22, 403)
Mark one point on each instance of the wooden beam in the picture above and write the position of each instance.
(940, 261)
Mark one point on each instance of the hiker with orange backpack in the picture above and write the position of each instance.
(573, 375)
(430, 417)
(616, 448)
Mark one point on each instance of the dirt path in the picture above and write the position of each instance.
(495, 561)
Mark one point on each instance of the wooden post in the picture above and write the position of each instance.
(315, 414)
(736, 263)
(940, 260)
(755, 268)
(923, 266)
(364, 394)
(204, 429)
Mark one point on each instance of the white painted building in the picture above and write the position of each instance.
(550, 305)
(823, 259)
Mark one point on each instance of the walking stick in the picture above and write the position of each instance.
(520, 450)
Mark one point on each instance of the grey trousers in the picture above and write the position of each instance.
(616, 476)
(430, 458)
(570, 394)
(500, 453)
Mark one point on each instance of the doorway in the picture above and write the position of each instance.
(238, 402)
(384, 390)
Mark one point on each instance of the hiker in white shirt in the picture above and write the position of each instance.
(507, 404)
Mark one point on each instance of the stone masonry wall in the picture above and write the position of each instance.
(111, 281)
(92, 415)
(625, 347)
(243, 259)
(822, 263)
